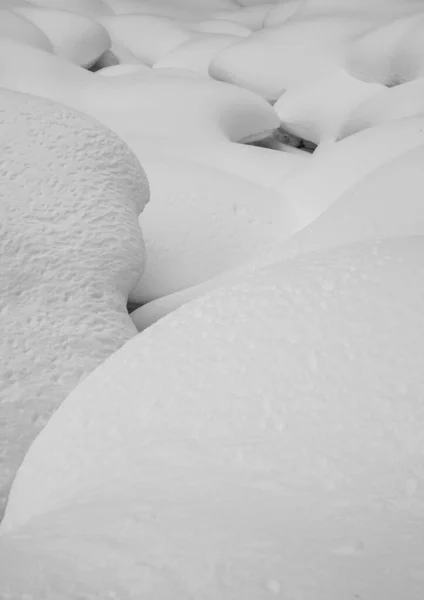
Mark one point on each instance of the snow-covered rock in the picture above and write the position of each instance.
(71, 252)
(318, 111)
(191, 11)
(32, 71)
(384, 202)
(183, 107)
(282, 11)
(187, 107)
(391, 53)
(264, 440)
(391, 104)
(93, 8)
(299, 51)
(219, 206)
(251, 16)
(379, 42)
(250, 162)
(17, 27)
(148, 37)
(359, 188)
(221, 26)
(197, 53)
(122, 69)
(74, 37)
(201, 222)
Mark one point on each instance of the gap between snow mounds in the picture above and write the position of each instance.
(283, 141)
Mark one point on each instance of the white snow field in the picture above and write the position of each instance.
(211, 299)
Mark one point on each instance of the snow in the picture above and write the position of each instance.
(71, 252)
(75, 37)
(261, 436)
(269, 430)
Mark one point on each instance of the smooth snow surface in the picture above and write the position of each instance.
(194, 229)
(253, 429)
(269, 431)
(75, 37)
(359, 188)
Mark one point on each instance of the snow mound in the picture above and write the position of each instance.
(268, 436)
(71, 252)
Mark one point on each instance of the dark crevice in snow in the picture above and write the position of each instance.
(282, 140)
(107, 59)
(132, 306)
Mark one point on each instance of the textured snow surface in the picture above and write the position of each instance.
(254, 428)
(71, 251)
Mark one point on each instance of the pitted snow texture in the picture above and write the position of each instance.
(70, 251)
